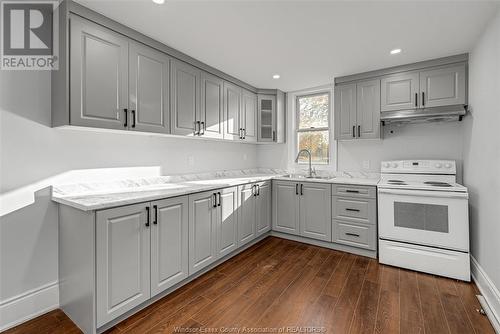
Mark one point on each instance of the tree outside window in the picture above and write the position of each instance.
(313, 127)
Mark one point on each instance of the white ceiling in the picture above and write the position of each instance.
(307, 42)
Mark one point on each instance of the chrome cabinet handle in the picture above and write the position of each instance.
(147, 216)
(126, 117)
(133, 118)
(155, 207)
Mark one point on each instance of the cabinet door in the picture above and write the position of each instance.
(99, 76)
(442, 86)
(122, 260)
(185, 96)
(246, 214)
(263, 207)
(202, 230)
(169, 243)
(316, 211)
(227, 221)
(286, 207)
(368, 109)
(149, 89)
(232, 111)
(345, 111)
(399, 92)
(249, 116)
(212, 101)
(266, 124)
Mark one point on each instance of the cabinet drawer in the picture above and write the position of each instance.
(354, 209)
(354, 191)
(356, 235)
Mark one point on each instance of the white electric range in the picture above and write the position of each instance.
(423, 218)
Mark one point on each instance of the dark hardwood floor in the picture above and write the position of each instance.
(279, 283)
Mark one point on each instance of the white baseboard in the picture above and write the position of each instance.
(28, 305)
(490, 293)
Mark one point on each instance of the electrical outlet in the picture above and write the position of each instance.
(366, 164)
(190, 161)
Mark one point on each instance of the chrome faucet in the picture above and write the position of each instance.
(311, 171)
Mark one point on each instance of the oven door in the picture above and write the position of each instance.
(433, 218)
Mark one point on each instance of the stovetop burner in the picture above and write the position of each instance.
(438, 184)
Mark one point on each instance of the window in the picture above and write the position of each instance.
(313, 133)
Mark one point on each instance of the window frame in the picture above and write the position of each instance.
(297, 130)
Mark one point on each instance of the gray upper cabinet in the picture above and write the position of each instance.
(202, 230)
(246, 213)
(227, 221)
(399, 92)
(169, 243)
(267, 118)
(122, 260)
(185, 98)
(443, 86)
(345, 111)
(148, 89)
(286, 207)
(315, 211)
(212, 106)
(99, 76)
(248, 116)
(263, 208)
(368, 109)
(232, 111)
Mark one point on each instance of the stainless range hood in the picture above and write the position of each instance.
(424, 115)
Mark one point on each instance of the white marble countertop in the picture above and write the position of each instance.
(103, 195)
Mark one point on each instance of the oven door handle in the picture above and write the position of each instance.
(424, 193)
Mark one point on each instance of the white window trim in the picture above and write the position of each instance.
(293, 127)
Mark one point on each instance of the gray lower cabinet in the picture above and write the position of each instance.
(227, 221)
(212, 106)
(99, 76)
(443, 86)
(302, 209)
(286, 207)
(122, 260)
(315, 211)
(263, 207)
(246, 213)
(354, 213)
(149, 89)
(169, 243)
(185, 98)
(202, 230)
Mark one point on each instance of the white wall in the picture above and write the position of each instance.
(482, 151)
(414, 141)
(31, 150)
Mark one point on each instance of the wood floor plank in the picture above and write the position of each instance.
(432, 309)
(388, 308)
(282, 282)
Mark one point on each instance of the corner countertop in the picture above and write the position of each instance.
(104, 195)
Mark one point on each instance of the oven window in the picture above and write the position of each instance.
(426, 217)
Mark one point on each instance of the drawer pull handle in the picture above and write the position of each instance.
(354, 210)
(352, 234)
(352, 191)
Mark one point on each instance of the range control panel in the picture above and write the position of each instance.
(419, 167)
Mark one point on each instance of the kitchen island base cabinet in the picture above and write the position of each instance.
(122, 260)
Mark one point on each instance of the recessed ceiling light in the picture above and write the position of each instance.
(395, 51)
(276, 76)
(159, 2)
